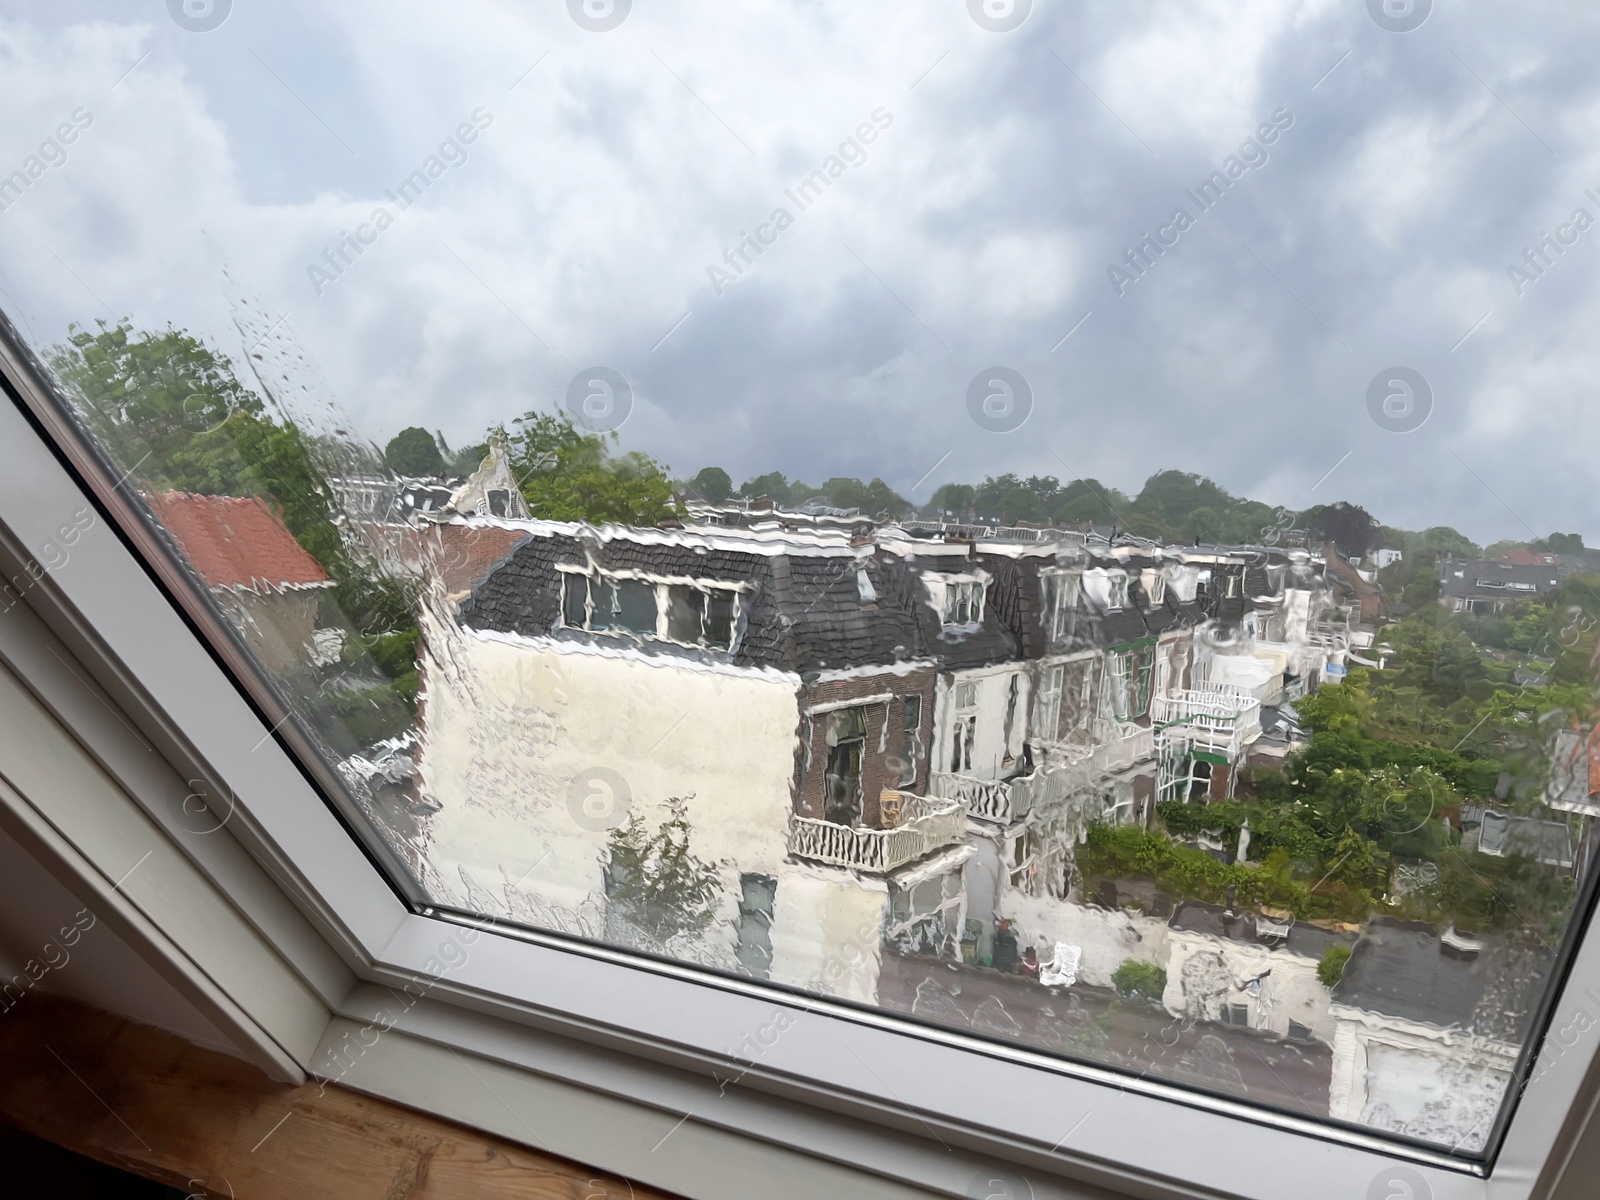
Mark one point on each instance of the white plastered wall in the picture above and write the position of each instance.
(510, 723)
(1290, 993)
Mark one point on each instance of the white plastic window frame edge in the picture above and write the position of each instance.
(1011, 1101)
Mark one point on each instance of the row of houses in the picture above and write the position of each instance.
(878, 735)
(881, 744)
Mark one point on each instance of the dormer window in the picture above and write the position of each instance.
(1060, 591)
(1119, 592)
(963, 602)
(691, 614)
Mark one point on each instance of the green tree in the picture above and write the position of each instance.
(1136, 980)
(1342, 708)
(713, 483)
(569, 475)
(771, 485)
(1348, 526)
(873, 499)
(1331, 968)
(1435, 657)
(1148, 525)
(169, 408)
(957, 498)
(654, 883)
(414, 452)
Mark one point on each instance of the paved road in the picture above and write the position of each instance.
(1142, 1039)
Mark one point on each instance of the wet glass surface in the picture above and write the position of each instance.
(1061, 522)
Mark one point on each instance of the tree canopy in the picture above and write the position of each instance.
(569, 475)
(713, 483)
(414, 451)
(1348, 526)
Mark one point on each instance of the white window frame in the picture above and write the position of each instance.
(304, 940)
(662, 585)
(1062, 590)
(963, 725)
(1116, 590)
(1047, 708)
(959, 591)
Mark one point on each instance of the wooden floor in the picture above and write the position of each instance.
(151, 1103)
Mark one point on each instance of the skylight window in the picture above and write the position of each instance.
(656, 535)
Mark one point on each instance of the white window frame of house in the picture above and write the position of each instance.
(1117, 589)
(1062, 590)
(269, 915)
(959, 591)
(963, 724)
(952, 897)
(1124, 686)
(663, 585)
(1047, 708)
(1158, 588)
(1022, 855)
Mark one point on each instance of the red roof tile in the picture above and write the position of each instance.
(235, 541)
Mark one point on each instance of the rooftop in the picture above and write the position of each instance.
(1402, 970)
(1309, 941)
(236, 542)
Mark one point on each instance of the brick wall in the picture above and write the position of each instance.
(876, 775)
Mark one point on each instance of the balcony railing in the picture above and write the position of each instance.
(994, 800)
(926, 824)
(1070, 776)
(1218, 719)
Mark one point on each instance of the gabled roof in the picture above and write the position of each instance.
(236, 542)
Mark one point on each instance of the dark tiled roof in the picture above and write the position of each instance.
(1537, 578)
(804, 612)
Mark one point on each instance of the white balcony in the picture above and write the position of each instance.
(926, 824)
(1221, 720)
(995, 800)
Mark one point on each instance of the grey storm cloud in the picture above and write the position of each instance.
(1201, 234)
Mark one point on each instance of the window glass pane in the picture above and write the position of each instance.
(288, 290)
(721, 608)
(635, 607)
(575, 597)
(685, 613)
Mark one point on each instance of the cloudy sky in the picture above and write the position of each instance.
(1009, 170)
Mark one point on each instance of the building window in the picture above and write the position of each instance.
(924, 918)
(1023, 858)
(757, 895)
(847, 739)
(1013, 694)
(1119, 591)
(963, 602)
(1129, 681)
(1061, 590)
(910, 739)
(963, 727)
(690, 614)
(1047, 710)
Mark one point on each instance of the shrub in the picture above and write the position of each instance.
(1139, 980)
(1332, 965)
